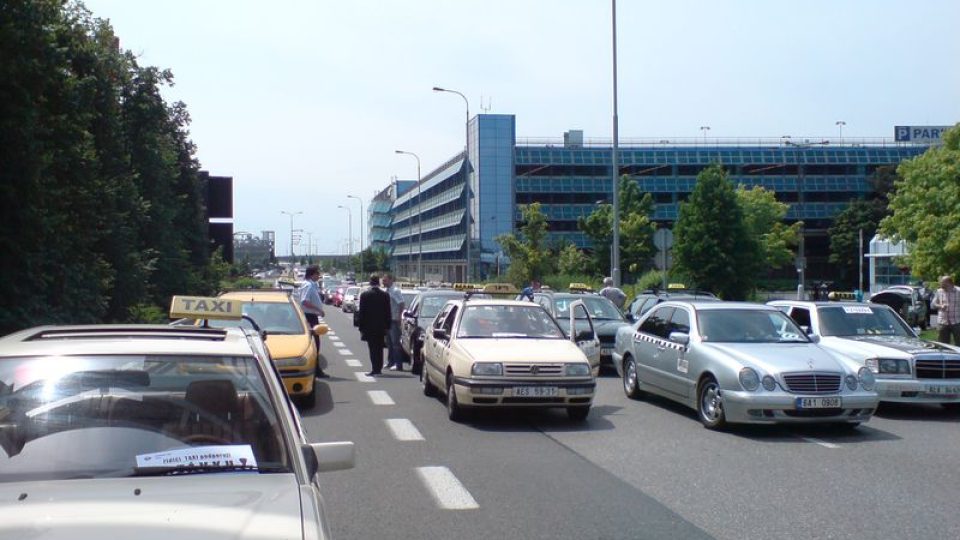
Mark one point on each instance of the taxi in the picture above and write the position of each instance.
(289, 337)
(494, 353)
(155, 432)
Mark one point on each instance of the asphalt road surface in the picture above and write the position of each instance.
(634, 469)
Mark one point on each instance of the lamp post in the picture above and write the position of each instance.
(840, 124)
(349, 230)
(466, 162)
(614, 164)
(419, 219)
(704, 130)
(361, 230)
(291, 214)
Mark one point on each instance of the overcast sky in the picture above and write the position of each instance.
(304, 102)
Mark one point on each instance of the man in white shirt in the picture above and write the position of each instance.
(395, 356)
(312, 306)
(947, 302)
(612, 293)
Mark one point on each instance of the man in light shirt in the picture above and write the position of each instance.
(947, 302)
(312, 306)
(395, 356)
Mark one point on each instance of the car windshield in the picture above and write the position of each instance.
(272, 317)
(861, 321)
(352, 291)
(508, 322)
(408, 297)
(748, 326)
(599, 308)
(431, 304)
(135, 415)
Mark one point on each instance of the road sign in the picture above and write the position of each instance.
(663, 239)
(659, 260)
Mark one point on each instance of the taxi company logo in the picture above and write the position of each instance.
(535, 370)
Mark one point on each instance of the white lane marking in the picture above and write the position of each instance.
(338, 344)
(403, 429)
(353, 362)
(379, 397)
(333, 338)
(446, 489)
(345, 352)
(825, 444)
(363, 377)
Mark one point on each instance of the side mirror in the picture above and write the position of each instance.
(320, 329)
(806, 329)
(629, 317)
(680, 337)
(440, 333)
(584, 335)
(917, 330)
(325, 457)
(406, 314)
(814, 338)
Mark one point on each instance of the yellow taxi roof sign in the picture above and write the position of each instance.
(676, 286)
(500, 288)
(204, 307)
(465, 286)
(579, 287)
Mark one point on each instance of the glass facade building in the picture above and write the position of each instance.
(569, 177)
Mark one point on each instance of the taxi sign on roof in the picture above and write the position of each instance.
(500, 288)
(203, 307)
(580, 287)
(465, 286)
(676, 286)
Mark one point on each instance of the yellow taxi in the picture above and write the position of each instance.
(289, 338)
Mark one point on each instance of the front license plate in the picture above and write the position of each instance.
(535, 391)
(942, 390)
(819, 403)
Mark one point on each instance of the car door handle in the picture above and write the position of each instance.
(661, 348)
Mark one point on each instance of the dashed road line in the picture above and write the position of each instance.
(446, 490)
(363, 377)
(333, 338)
(353, 362)
(403, 429)
(379, 397)
(338, 344)
(823, 443)
(345, 352)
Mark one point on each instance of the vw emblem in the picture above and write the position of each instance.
(535, 370)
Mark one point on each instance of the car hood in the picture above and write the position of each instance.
(287, 346)
(777, 357)
(884, 346)
(217, 506)
(526, 350)
(606, 327)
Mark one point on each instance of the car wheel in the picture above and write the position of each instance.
(631, 387)
(578, 414)
(429, 389)
(710, 404)
(309, 401)
(952, 407)
(454, 410)
(416, 366)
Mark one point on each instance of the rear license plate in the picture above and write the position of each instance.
(942, 390)
(535, 391)
(819, 403)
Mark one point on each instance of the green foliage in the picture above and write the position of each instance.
(712, 245)
(148, 314)
(571, 260)
(925, 209)
(530, 257)
(561, 281)
(864, 214)
(636, 230)
(763, 217)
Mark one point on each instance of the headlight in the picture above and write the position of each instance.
(487, 369)
(852, 382)
(867, 380)
(289, 362)
(577, 370)
(889, 366)
(749, 379)
(769, 383)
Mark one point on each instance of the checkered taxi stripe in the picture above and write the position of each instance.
(658, 341)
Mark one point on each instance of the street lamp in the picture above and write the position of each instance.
(704, 130)
(466, 162)
(419, 219)
(615, 166)
(361, 230)
(349, 228)
(291, 214)
(840, 124)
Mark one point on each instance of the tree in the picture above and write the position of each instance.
(636, 230)
(571, 260)
(529, 254)
(763, 217)
(925, 209)
(861, 214)
(711, 242)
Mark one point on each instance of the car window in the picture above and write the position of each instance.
(493, 321)
(272, 317)
(441, 316)
(134, 415)
(430, 305)
(801, 316)
(451, 319)
(657, 323)
(648, 305)
(680, 321)
(860, 320)
(748, 326)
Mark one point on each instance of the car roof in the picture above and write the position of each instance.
(255, 295)
(819, 303)
(712, 305)
(126, 339)
(500, 302)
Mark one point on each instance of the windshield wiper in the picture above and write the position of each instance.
(204, 469)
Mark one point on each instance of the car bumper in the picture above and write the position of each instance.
(299, 382)
(781, 407)
(617, 360)
(919, 391)
(607, 357)
(503, 392)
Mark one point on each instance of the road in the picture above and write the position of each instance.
(634, 469)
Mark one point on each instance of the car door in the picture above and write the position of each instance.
(650, 343)
(431, 344)
(591, 345)
(443, 345)
(408, 327)
(673, 358)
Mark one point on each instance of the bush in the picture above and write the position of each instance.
(561, 282)
(241, 283)
(149, 314)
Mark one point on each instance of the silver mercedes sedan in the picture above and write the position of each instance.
(740, 363)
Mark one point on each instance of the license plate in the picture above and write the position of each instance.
(535, 391)
(819, 403)
(942, 390)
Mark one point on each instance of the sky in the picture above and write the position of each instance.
(304, 102)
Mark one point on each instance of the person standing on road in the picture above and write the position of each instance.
(373, 319)
(528, 292)
(947, 302)
(312, 306)
(613, 294)
(394, 358)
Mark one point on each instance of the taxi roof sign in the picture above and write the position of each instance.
(465, 287)
(579, 287)
(205, 307)
(500, 288)
(676, 286)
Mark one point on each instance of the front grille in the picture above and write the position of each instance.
(812, 383)
(938, 368)
(533, 400)
(533, 370)
(608, 340)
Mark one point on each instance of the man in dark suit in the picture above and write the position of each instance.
(373, 319)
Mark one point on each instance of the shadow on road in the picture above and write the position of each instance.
(518, 419)
(325, 402)
(924, 412)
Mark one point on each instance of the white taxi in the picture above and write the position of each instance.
(154, 432)
(490, 353)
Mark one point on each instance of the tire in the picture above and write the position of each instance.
(578, 414)
(429, 389)
(631, 386)
(309, 401)
(416, 365)
(952, 407)
(710, 405)
(454, 411)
